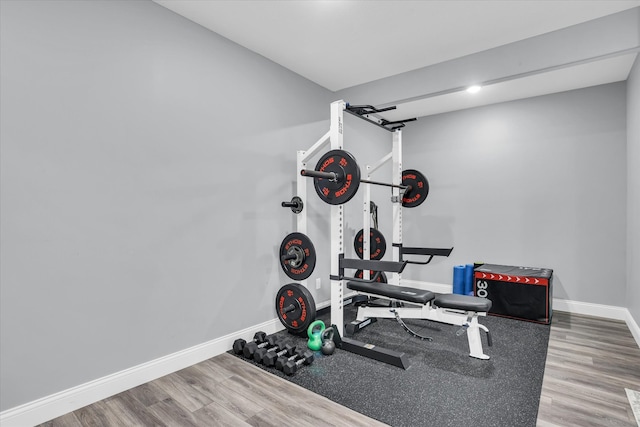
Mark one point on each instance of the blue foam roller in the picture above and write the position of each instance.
(468, 279)
(458, 279)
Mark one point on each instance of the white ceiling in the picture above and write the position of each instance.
(580, 76)
(340, 44)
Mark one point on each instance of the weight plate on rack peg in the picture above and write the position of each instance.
(297, 256)
(377, 244)
(419, 190)
(295, 307)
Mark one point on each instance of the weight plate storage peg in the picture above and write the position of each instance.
(295, 204)
(377, 244)
(344, 166)
(297, 256)
(295, 307)
(418, 189)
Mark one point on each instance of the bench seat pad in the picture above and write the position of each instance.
(400, 293)
(462, 302)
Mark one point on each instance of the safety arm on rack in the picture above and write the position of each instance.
(430, 252)
(373, 265)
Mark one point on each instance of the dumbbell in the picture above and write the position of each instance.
(305, 358)
(270, 358)
(250, 348)
(261, 352)
(282, 360)
(239, 344)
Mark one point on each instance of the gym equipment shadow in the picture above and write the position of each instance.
(443, 386)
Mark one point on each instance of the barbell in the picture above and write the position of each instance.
(336, 179)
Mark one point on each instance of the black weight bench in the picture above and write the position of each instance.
(400, 293)
(460, 310)
(422, 296)
(462, 302)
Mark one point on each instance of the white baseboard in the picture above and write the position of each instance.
(439, 288)
(633, 327)
(589, 309)
(55, 405)
(600, 310)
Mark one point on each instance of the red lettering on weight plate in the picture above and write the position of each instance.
(326, 163)
(344, 189)
(411, 200)
(299, 270)
(303, 315)
(296, 242)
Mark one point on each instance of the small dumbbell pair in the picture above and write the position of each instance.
(289, 365)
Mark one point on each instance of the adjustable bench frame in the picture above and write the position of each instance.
(458, 310)
(464, 317)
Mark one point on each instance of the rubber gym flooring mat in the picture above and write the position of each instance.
(443, 386)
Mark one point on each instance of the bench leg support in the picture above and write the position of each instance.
(475, 341)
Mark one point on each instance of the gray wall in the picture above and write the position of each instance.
(132, 226)
(133, 222)
(633, 191)
(539, 182)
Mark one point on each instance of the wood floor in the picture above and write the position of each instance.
(223, 391)
(590, 362)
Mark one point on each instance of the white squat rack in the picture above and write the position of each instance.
(460, 310)
(335, 140)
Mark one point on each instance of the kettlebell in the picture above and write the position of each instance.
(328, 346)
(315, 337)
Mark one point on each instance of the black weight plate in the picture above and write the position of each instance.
(419, 188)
(299, 205)
(377, 244)
(344, 165)
(382, 278)
(302, 266)
(304, 312)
